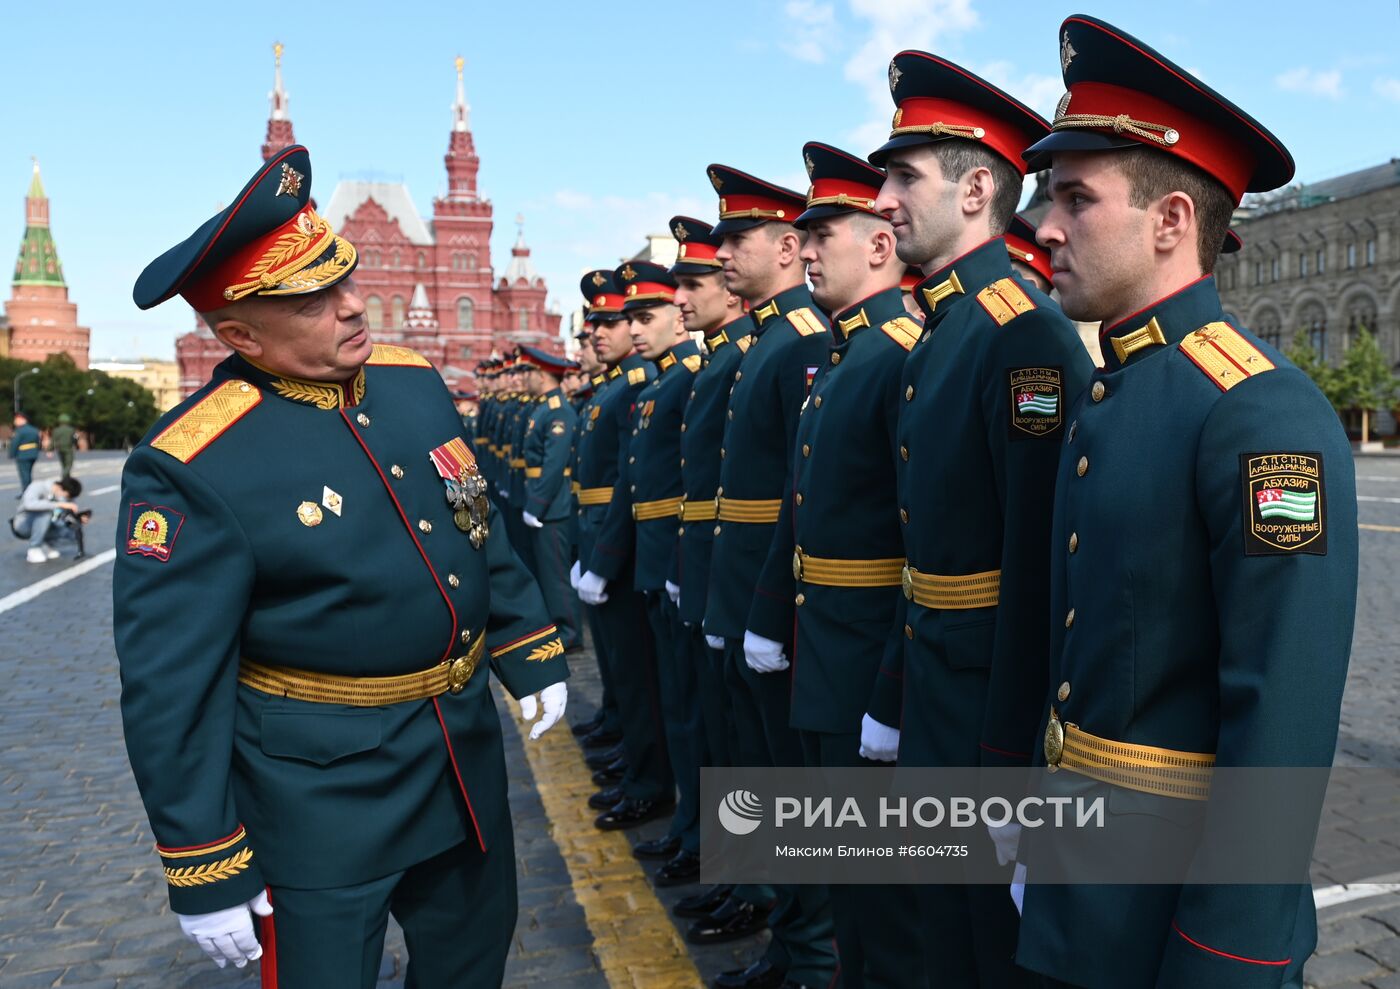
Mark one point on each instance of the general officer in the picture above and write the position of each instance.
(25, 445)
(759, 257)
(604, 730)
(549, 501)
(1204, 543)
(309, 584)
(652, 486)
(847, 565)
(717, 314)
(647, 788)
(994, 367)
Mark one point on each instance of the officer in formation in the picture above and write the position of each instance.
(310, 587)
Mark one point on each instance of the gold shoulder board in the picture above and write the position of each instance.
(903, 331)
(692, 363)
(207, 420)
(1223, 355)
(1004, 300)
(384, 354)
(554, 401)
(636, 376)
(805, 322)
(744, 343)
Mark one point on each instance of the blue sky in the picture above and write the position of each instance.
(594, 122)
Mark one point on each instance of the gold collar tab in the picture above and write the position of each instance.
(948, 287)
(1140, 339)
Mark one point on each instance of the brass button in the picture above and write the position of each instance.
(682, 427)
(1097, 392)
(904, 515)
(909, 394)
(817, 401)
(682, 461)
(631, 460)
(836, 358)
(453, 580)
(1063, 692)
(634, 489)
(798, 499)
(362, 419)
(397, 471)
(424, 525)
(719, 492)
(730, 414)
(738, 375)
(806, 449)
(721, 453)
(908, 631)
(1073, 541)
(680, 531)
(466, 636)
(1073, 428)
(801, 600)
(634, 432)
(904, 452)
(1083, 467)
(717, 528)
(1069, 619)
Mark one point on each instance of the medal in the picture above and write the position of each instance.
(464, 488)
(462, 519)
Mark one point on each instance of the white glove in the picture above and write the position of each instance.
(715, 642)
(675, 591)
(553, 699)
(592, 589)
(1006, 838)
(227, 935)
(574, 575)
(531, 521)
(1018, 885)
(502, 491)
(878, 741)
(763, 655)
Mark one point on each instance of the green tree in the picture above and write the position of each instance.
(114, 412)
(1302, 353)
(1364, 381)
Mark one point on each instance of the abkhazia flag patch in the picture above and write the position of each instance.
(1037, 401)
(1285, 510)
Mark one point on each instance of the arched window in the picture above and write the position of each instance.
(396, 312)
(1351, 255)
(1273, 269)
(422, 259)
(471, 262)
(466, 313)
(374, 312)
(394, 259)
(1302, 264)
(524, 320)
(1361, 315)
(1314, 325)
(1370, 252)
(1270, 330)
(1321, 258)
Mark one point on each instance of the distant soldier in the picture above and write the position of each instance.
(24, 449)
(63, 438)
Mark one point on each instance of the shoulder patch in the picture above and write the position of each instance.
(387, 355)
(693, 363)
(744, 343)
(903, 331)
(207, 420)
(1223, 355)
(637, 376)
(1285, 505)
(1004, 300)
(806, 322)
(554, 402)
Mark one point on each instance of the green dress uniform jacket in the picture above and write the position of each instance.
(651, 484)
(302, 525)
(585, 441)
(25, 443)
(616, 537)
(702, 432)
(844, 516)
(976, 464)
(1203, 588)
(791, 338)
(548, 450)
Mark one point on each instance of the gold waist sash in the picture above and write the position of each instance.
(952, 593)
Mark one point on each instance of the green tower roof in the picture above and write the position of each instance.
(38, 262)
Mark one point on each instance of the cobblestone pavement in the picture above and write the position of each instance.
(82, 903)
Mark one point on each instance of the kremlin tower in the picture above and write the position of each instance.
(41, 319)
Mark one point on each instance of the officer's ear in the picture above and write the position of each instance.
(233, 327)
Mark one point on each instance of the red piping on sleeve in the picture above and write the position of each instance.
(1225, 954)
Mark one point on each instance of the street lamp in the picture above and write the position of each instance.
(18, 377)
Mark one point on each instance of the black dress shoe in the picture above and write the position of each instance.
(600, 737)
(604, 759)
(612, 774)
(703, 903)
(657, 848)
(760, 975)
(629, 812)
(683, 869)
(605, 799)
(732, 921)
(589, 726)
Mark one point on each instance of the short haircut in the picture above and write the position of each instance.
(1152, 174)
(71, 485)
(957, 157)
(776, 229)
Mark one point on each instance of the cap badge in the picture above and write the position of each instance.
(1062, 107)
(811, 165)
(628, 273)
(715, 180)
(598, 279)
(291, 181)
(1067, 53)
(680, 231)
(895, 73)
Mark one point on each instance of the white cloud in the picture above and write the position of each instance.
(812, 31)
(1316, 82)
(1387, 88)
(1039, 92)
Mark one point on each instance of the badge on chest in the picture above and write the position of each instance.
(465, 489)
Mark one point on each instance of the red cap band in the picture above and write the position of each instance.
(948, 118)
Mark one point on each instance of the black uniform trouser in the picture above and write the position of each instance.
(714, 698)
(680, 709)
(875, 925)
(612, 721)
(804, 943)
(551, 544)
(26, 472)
(519, 535)
(457, 910)
(632, 655)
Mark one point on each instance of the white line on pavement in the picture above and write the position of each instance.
(110, 487)
(31, 592)
(1330, 896)
(1388, 501)
(1378, 477)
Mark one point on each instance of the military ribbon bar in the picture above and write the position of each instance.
(453, 459)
